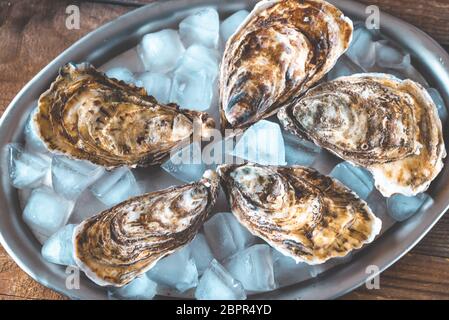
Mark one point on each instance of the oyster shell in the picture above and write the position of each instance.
(86, 115)
(387, 125)
(300, 212)
(119, 244)
(280, 50)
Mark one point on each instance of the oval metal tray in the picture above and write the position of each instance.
(124, 33)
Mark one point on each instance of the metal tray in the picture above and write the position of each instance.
(123, 33)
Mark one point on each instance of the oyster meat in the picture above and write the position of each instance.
(303, 214)
(86, 115)
(387, 125)
(281, 49)
(125, 241)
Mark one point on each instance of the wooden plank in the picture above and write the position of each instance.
(415, 276)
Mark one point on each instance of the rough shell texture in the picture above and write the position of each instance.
(125, 241)
(300, 212)
(279, 51)
(86, 115)
(387, 125)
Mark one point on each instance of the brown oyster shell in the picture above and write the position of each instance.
(86, 115)
(300, 212)
(121, 243)
(387, 125)
(280, 50)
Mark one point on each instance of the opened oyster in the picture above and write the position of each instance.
(88, 116)
(300, 212)
(279, 51)
(387, 125)
(125, 241)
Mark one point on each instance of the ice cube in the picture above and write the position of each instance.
(439, 102)
(160, 50)
(199, 58)
(194, 79)
(401, 207)
(129, 59)
(226, 236)
(201, 253)
(32, 140)
(355, 178)
(157, 85)
(253, 267)
(115, 186)
(299, 151)
(26, 170)
(46, 212)
(201, 28)
(262, 143)
(344, 67)
(318, 269)
(141, 288)
(287, 271)
(217, 284)
(230, 24)
(362, 49)
(388, 56)
(186, 164)
(71, 177)
(122, 74)
(59, 247)
(178, 271)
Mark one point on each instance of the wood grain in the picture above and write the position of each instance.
(32, 33)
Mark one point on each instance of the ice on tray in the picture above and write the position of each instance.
(186, 164)
(201, 253)
(160, 50)
(230, 24)
(299, 151)
(389, 56)
(439, 102)
(201, 28)
(226, 236)
(26, 170)
(194, 79)
(141, 288)
(115, 186)
(177, 270)
(59, 247)
(217, 284)
(344, 67)
(262, 143)
(253, 267)
(355, 178)
(32, 140)
(401, 207)
(71, 177)
(287, 271)
(157, 85)
(362, 50)
(46, 212)
(122, 74)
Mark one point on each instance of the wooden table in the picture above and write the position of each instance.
(32, 33)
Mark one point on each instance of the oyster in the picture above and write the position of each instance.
(86, 115)
(125, 241)
(280, 50)
(300, 212)
(387, 125)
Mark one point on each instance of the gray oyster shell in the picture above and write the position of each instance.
(376, 121)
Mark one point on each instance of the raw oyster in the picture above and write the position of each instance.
(281, 49)
(86, 115)
(387, 125)
(127, 240)
(300, 212)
